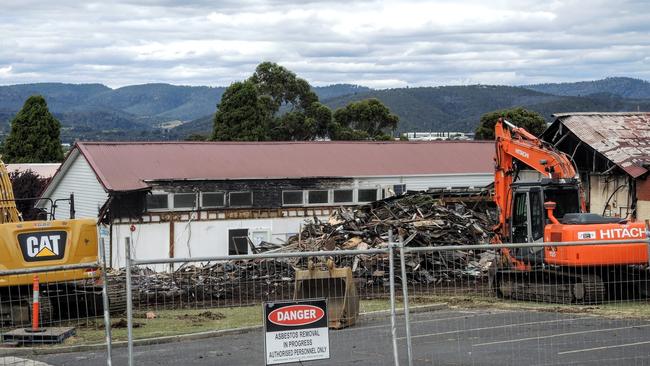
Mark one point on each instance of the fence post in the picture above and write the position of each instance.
(393, 312)
(405, 291)
(107, 309)
(129, 301)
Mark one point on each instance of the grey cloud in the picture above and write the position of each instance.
(214, 43)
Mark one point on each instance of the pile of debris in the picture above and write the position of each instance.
(421, 221)
(221, 284)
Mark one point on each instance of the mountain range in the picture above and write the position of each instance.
(168, 112)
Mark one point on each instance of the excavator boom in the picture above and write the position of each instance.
(8, 210)
(512, 143)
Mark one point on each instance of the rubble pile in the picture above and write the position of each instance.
(222, 284)
(419, 219)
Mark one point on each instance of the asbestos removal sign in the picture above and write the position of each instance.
(296, 331)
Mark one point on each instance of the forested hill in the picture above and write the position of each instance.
(620, 86)
(163, 111)
(459, 108)
(148, 111)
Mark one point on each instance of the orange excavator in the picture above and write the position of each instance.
(554, 210)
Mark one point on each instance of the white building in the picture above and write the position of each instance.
(438, 136)
(188, 199)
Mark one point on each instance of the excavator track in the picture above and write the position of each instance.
(551, 287)
(45, 310)
(18, 313)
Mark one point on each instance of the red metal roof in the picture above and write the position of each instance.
(125, 166)
(623, 138)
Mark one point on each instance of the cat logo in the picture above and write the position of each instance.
(42, 246)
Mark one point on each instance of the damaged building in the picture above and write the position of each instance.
(189, 199)
(612, 153)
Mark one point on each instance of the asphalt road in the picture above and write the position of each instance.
(444, 337)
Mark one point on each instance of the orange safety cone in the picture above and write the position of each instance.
(35, 306)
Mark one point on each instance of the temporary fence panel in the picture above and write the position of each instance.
(214, 305)
(539, 315)
(50, 308)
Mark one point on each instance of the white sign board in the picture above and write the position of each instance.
(296, 331)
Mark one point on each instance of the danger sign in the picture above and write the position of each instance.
(296, 331)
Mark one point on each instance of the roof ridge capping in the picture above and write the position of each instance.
(279, 142)
(568, 114)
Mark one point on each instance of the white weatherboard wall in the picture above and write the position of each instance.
(424, 182)
(148, 241)
(89, 195)
(194, 238)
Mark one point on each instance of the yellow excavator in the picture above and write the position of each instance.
(32, 244)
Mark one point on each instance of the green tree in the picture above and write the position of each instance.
(532, 121)
(273, 104)
(197, 137)
(35, 135)
(368, 118)
(242, 115)
(27, 184)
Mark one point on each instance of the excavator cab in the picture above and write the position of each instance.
(529, 217)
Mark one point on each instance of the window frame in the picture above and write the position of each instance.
(158, 209)
(302, 193)
(326, 203)
(173, 199)
(343, 202)
(223, 203)
(250, 193)
(403, 188)
(357, 200)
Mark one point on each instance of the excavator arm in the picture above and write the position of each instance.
(513, 142)
(8, 210)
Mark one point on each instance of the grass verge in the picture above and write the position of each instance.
(189, 321)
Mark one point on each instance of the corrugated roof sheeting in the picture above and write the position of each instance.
(127, 166)
(623, 138)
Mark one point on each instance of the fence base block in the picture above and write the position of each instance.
(50, 335)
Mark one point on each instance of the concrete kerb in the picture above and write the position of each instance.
(371, 315)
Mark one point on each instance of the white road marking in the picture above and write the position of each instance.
(494, 327)
(16, 361)
(419, 321)
(559, 335)
(603, 347)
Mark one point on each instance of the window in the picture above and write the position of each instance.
(568, 200)
(212, 199)
(317, 197)
(240, 199)
(237, 241)
(184, 200)
(367, 195)
(399, 189)
(343, 195)
(520, 218)
(292, 198)
(536, 211)
(157, 201)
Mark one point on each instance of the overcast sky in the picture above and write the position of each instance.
(380, 44)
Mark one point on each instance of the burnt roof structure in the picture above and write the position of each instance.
(622, 139)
